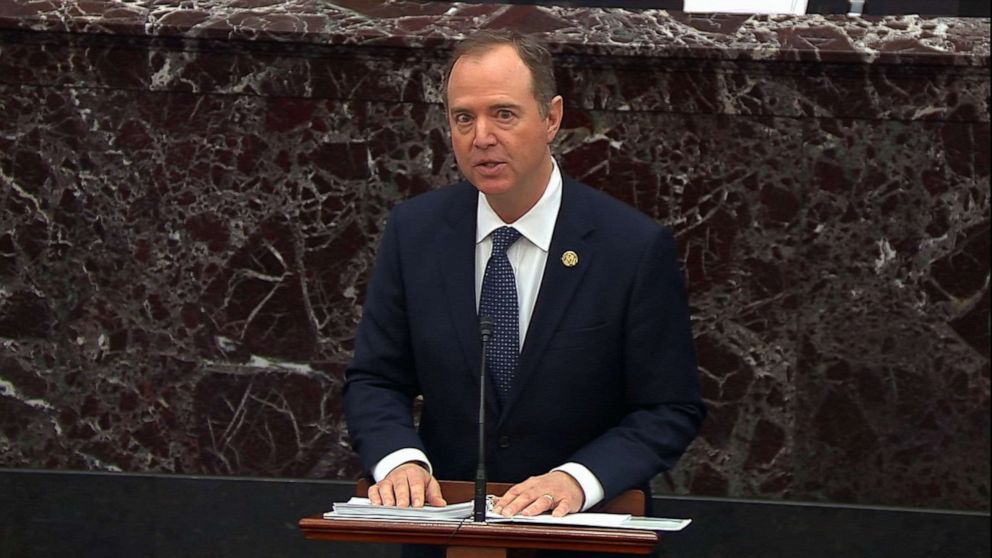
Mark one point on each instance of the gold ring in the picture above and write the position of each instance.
(550, 497)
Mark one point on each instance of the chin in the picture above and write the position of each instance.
(491, 186)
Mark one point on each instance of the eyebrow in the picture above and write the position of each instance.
(505, 106)
(499, 106)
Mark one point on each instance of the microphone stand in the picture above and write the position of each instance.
(479, 515)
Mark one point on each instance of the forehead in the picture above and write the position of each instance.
(497, 72)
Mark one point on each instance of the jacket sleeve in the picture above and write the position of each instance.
(381, 382)
(665, 408)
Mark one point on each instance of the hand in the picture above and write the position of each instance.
(407, 485)
(556, 491)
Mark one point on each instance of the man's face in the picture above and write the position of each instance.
(499, 136)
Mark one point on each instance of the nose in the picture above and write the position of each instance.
(484, 136)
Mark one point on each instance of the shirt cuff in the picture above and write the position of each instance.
(397, 458)
(591, 487)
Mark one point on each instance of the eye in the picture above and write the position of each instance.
(504, 114)
(461, 118)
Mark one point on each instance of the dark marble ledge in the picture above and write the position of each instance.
(590, 31)
(34, 59)
(52, 41)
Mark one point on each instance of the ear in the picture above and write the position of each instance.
(554, 118)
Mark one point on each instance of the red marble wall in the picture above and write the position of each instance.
(190, 201)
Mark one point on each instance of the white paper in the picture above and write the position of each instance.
(361, 508)
(746, 6)
(657, 523)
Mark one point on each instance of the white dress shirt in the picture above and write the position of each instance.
(527, 256)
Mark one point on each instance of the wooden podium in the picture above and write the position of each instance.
(485, 540)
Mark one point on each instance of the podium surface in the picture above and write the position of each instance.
(488, 540)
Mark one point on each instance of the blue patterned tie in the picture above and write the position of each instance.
(499, 301)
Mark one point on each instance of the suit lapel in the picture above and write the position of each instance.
(558, 284)
(456, 263)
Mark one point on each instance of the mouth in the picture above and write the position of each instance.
(489, 164)
(490, 168)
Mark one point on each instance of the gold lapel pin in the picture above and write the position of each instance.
(569, 259)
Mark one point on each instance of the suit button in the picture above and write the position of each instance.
(504, 442)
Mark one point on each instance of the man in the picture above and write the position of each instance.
(596, 388)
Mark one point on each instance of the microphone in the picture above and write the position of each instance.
(479, 515)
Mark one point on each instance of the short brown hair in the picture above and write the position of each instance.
(532, 52)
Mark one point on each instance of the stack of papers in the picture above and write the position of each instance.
(361, 508)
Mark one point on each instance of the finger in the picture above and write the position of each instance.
(509, 496)
(386, 493)
(416, 491)
(562, 509)
(540, 505)
(434, 496)
(509, 506)
(529, 503)
(374, 496)
(402, 492)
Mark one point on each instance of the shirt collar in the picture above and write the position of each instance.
(537, 225)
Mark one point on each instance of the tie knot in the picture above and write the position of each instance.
(503, 238)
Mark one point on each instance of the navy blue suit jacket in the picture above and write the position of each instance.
(607, 374)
